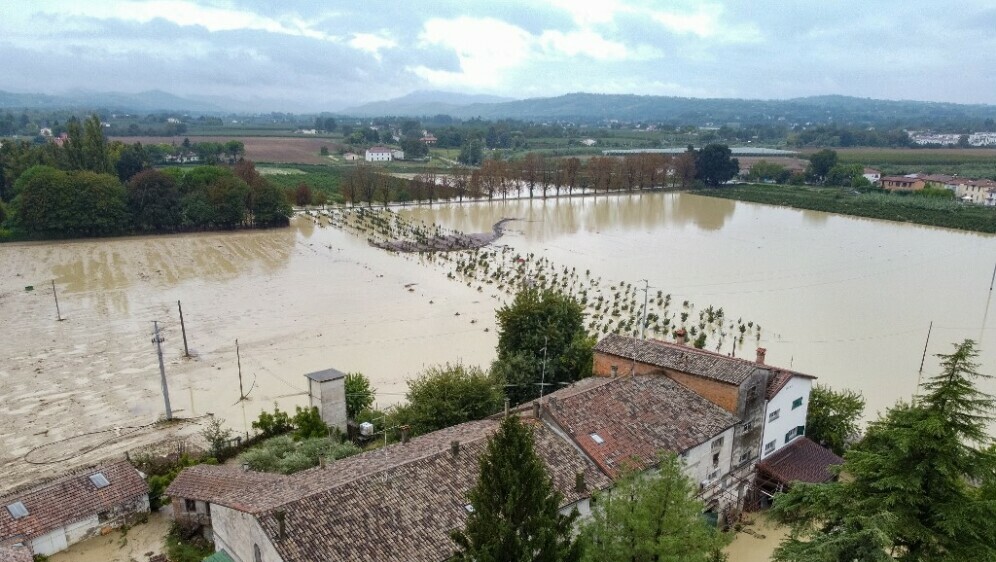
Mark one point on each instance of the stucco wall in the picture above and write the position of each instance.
(797, 387)
(236, 532)
(90, 526)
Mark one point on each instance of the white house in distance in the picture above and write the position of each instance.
(378, 154)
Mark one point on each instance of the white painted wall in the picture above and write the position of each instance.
(378, 156)
(698, 461)
(797, 387)
(236, 532)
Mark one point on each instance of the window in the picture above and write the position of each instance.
(99, 480)
(17, 510)
(748, 427)
(597, 438)
(769, 447)
(257, 556)
(745, 456)
(714, 474)
(752, 393)
(615, 370)
(715, 459)
(774, 415)
(190, 505)
(717, 444)
(797, 402)
(796, 431)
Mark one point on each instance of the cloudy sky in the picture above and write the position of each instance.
(321, 55)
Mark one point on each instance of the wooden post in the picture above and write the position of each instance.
(186, 352)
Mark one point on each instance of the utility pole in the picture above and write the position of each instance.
(643, 324)
(162, 368)
(993, 281)
(543, 376)
(186, 352)
(923, 359)
(238, 358)
(56, 295)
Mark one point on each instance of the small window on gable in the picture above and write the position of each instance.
(715, 459)
(597, 438)
(797, 402)
(191, 505)
(99, 480)
(17, 510)
(717, 444)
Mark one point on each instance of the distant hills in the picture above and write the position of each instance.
(151, 101)
(584, 107)
(424, 103)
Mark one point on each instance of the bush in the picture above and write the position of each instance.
(286, 456)
(271, 425)
(187, 544)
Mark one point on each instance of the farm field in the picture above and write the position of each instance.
(279, 150)
(967, 162)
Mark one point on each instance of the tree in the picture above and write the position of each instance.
(154, 201)
(308, 423)
(359, 394)
(132, 160)
(446, 395)
(516, 510)
(651, 517)
(921, 484)
(216, 436)
(541, 339)
(845, 175)
(471, 153)
(820, 164)
(832, 419)
(96, 157)
(714, 165)
(271, 207)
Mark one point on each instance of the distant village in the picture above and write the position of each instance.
(738, 424)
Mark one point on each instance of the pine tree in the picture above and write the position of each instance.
(516, 515)
(653, 517)
(919, 486)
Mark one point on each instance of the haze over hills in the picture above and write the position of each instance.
(424, 102)
(585, 107)
(153, 100)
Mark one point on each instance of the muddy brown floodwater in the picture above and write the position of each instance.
(846, 299)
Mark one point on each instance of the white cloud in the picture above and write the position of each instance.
(592, 45)
(588, 12)
(372, 43)
(485, 47)
(706, 22)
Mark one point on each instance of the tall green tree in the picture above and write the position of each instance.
(919, 487)
(714, 165)
(516, 510)
(154, 201)
(541, 339)
(446, 395)
(96, 157)
(832, 419)
(651, 518)
(820, 164)
(359, 394)
(74, 145)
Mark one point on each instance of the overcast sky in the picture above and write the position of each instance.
(332, 54)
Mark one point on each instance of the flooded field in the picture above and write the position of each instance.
(846, 299)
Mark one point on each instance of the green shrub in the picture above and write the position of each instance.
(186, 544)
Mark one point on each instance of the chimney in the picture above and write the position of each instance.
(404, 433)
(281, 524)
(760, 355)
(680, 336)
(455, 448)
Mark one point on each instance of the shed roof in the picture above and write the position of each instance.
(326, 375)
(802, 460)
(70, 498)
(626, 422)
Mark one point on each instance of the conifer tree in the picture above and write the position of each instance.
(516, 515)
(919, 486)
(653, 517)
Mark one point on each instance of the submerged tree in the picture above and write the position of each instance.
(516, 510)
(652, 517)
(921, 485)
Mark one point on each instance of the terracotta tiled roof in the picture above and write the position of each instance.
(802, 460)
(211, 483)
(15, 554)
(70, 498)
(636, 418)
(779, 378)
(396, 503)
(680, 358)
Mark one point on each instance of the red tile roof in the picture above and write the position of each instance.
(636, 418)
(15, 554)
(211, 483)
(802, 460)
(70, 498)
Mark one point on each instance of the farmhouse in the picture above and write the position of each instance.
(902, 183)
(397, 503)
(51, 516)
(378, 154)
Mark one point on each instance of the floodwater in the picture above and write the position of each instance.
(757, 541)
(846, 299)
